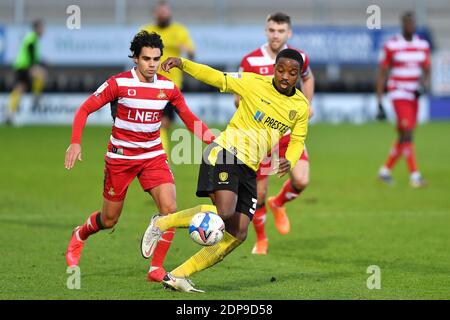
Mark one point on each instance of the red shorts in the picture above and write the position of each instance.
(120, 172)
(265, 166)
(406, 111)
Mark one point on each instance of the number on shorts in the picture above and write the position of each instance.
(252, 210)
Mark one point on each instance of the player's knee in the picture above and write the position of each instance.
(406, 136)
(300, 184)
(226, 214)
(241, 235)
(109, 218)
(168, 208)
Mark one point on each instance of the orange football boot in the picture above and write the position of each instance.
(260, 247)
(281, 218)
(74, 249)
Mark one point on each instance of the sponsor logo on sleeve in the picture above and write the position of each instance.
(101, 89)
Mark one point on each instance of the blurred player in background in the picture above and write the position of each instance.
(261, 61)
(228, 171)
(407, 57)
(177, 42)
(135, 148)
(29, 71)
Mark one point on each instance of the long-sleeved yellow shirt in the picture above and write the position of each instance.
(263, 117)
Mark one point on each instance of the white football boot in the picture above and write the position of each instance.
(179, 284)
(384, 175)
(150, 238)
(416, 180)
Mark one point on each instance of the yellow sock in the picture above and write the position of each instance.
(14, 99)
(207, 257)
(37, 86)
(165, 140)
(181, 219)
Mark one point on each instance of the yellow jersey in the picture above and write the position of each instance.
(263, 117)
(176, 39)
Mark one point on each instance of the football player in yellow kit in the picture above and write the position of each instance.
(269, 107)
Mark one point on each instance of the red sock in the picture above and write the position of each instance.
(259, 220)
(396, 153)
(162, 247)
(408, 152)
(287, 193)
(92, 225)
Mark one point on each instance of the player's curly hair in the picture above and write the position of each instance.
(145, 39)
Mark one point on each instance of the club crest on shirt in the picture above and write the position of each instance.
(292, 114)
(161, 95)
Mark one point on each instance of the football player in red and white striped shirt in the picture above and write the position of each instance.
(134, 150)
(407, 57)
(261, 61)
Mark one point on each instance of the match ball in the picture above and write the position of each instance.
(206, 228)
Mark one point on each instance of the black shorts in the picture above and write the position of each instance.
(169, 112)
(23, 76)
(228, 173)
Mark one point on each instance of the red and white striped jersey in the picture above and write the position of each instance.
(135, 131)
(260, 62)
(406, 60)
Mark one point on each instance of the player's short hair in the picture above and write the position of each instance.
(145, 39)
(408, 15)
(279, 17)
(37, 23)
(290, 54)
(161, 3)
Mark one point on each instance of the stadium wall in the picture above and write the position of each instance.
(59, 109)
(109, 45)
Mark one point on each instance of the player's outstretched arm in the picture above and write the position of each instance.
(170, 63)
(206, 74)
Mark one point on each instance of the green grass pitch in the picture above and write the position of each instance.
(345, 222)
